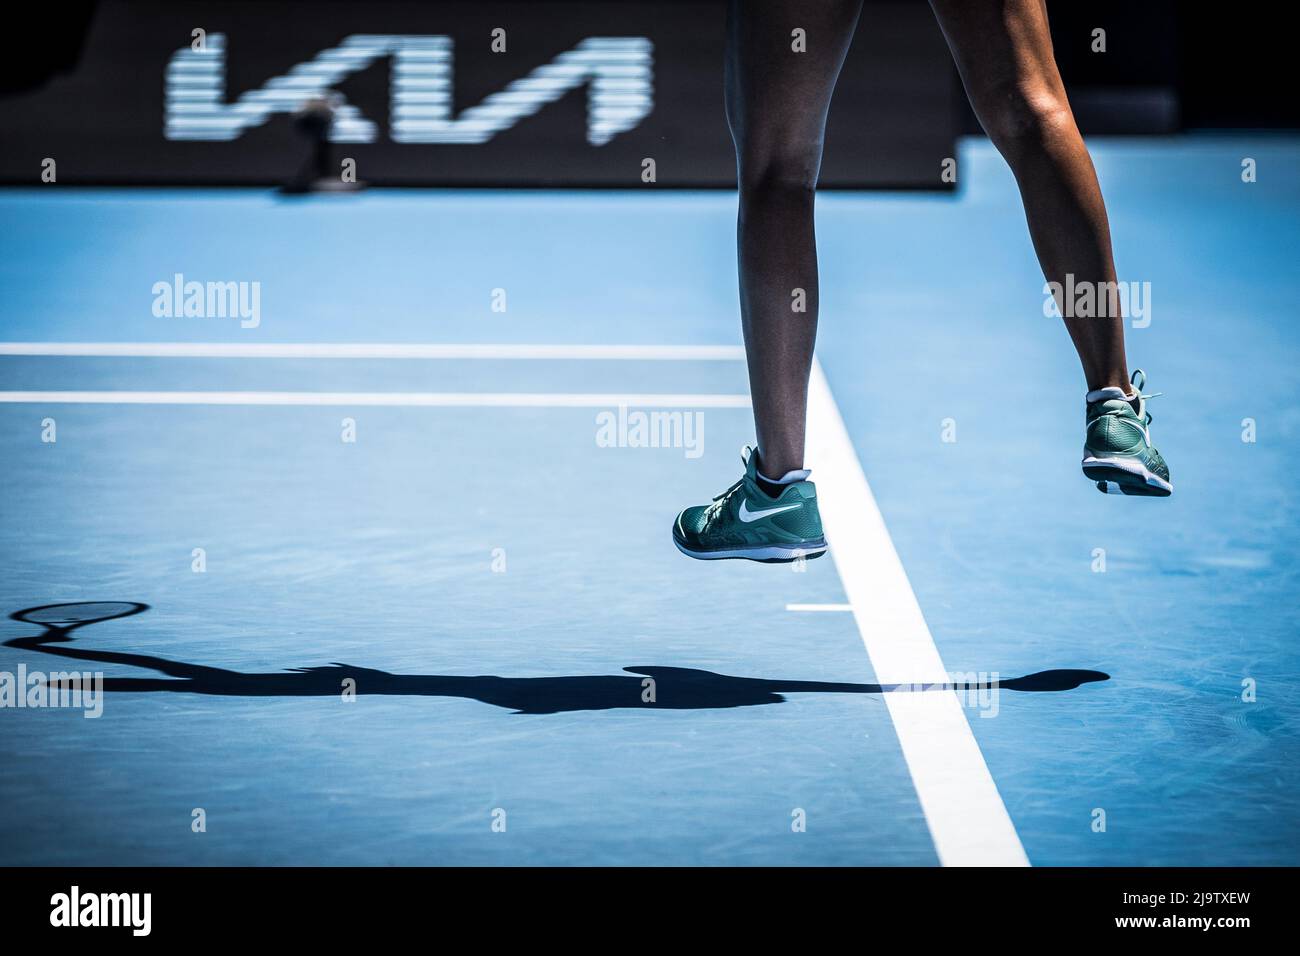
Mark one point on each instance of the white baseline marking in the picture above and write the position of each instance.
(968, 821)
(362, 350)
(397, 399)
(819, 607)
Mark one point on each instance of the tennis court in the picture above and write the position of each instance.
(425, 470)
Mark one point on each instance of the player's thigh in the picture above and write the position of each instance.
(782, 60)
(1003, 51)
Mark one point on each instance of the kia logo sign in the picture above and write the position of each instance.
(617, 71)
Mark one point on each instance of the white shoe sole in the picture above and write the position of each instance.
(1125, 476)
(764, 553)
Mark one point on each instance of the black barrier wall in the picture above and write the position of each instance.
(456, 94)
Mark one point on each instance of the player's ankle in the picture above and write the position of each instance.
(775, 487)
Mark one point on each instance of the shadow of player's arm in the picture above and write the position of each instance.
(44, 645)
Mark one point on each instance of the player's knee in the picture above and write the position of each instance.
(789, 171)
(1022, 120)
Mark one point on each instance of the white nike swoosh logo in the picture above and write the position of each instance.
(746, 515)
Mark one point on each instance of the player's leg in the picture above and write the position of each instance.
(782, 60)
(778, 90)
(1003, 50)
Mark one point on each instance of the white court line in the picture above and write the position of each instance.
(819, 607)
(968, 821)
(395, 399)
(362, 350)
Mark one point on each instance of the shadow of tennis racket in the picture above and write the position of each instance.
(60, 619)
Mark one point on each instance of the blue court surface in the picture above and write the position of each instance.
(1009, 668)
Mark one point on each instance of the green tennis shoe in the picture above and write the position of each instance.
(1117, 452)
(745, 522)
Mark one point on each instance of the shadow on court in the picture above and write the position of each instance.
(668, 688)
